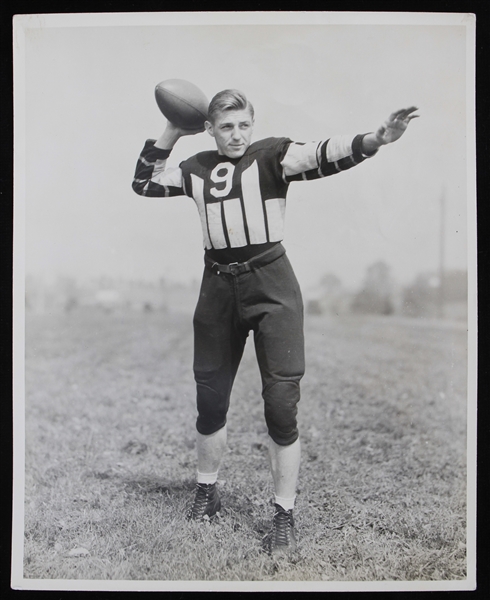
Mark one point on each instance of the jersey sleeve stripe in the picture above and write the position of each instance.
(345, 163)
(357, 152)
(147, 163)
(339, 146)
(300, 158)
(168, 177)
(152, 178)
(328, 150)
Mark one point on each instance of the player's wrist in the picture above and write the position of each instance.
(371, 143)
(169, 138)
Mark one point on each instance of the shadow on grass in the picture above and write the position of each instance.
(238, 513)
(147, 484)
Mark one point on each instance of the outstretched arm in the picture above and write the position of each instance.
(314, 160)
(390, 131)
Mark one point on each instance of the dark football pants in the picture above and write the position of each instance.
(268, 302)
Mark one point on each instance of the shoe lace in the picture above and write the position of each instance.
(281, 527)
(200, 501)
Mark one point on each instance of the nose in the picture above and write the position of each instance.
(236, 133)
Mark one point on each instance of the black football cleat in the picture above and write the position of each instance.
(206, 503)
(282, 536)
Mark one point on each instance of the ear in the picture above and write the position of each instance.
(209, 128)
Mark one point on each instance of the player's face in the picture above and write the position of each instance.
(232, 130)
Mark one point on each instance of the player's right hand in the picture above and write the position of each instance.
(177, 131)
(172, 134)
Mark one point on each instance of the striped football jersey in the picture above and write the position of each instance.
(242, 201)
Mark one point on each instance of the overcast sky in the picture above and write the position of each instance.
(89, 107)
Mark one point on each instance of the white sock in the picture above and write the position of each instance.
(207, 477)
(286, 503)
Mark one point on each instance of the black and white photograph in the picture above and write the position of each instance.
(244, 302)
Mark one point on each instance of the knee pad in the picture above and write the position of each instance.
(212, 405)
(280, 409)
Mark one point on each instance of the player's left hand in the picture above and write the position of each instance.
(392, 129)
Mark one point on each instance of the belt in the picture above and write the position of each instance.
(257, 261)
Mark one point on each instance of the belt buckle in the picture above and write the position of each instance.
(231, 265)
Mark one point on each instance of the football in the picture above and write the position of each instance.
(182, 102)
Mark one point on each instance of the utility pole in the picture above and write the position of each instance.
(440, 303)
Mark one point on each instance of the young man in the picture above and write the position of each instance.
(248, 284)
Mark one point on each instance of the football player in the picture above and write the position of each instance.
(248, 284)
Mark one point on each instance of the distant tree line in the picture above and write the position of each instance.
(425, 296)
(377, 291)
(378, 294)
(67, 294)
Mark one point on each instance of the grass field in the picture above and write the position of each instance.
(110, 454)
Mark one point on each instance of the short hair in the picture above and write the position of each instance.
(228, 100)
